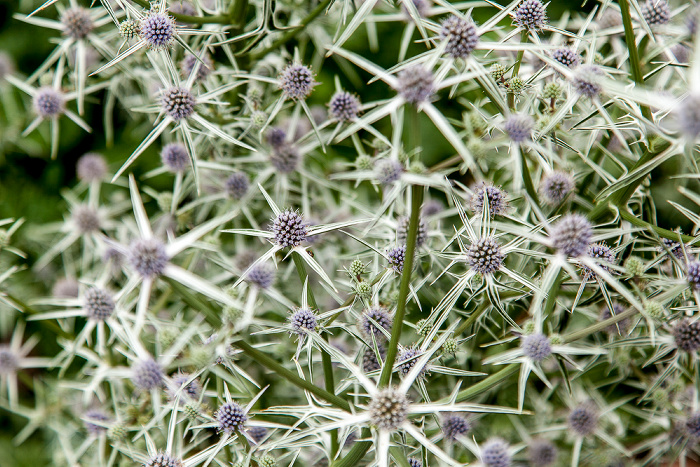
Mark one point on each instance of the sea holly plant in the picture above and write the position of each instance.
(466, 237)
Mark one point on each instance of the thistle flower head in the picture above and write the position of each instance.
(519, 127)
(388, 409)
(485, 255)
(191, 390)
(163, 459)
(692, 274)
(407, 359)
(454, 426)
(494, 453)
(175, 157)
(388, 171)
(383, 320)
(556, 186)
(344, 106)
(413, 462)
(91, 167)
(603, 255)
(370, 360)
(9, 361)
(496, 199)
(237, 185)
(147, 374)
(688, 116)
(95, 415)
(303, 320)
(542, 452)
(86, 219)
(531, 14)
(583, 419)
(285, 158)
(178, 102)
(77, 23)
(656, 12)
(262, 275)
(190, 61)
(686, 335)
(297, 81)
(692, 426)
(567, 57)
(586, 81)
(276, 136)
(572, 234)
(461, 35)
(98, 304)
(49, 103)
(402, 231)
(257, 433)
(396, 257)
(289, 229)
(66, 287)
(536, 347)
(416, 84)
(231, 417)
(148, 257)
(158, 30)
(675, 247)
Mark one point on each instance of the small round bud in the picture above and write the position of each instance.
(261, 275)
(496, 197)
(48, 103)
(128, 29)
(572, 234)
(297, 81)
(654, 309)
(344, 106)
(583, 420)
(552, 90)
(407, 359)
(364, 290)
(536, 347)
(285, 158)
(519, 127)
(383, 320)
(178, 103)
(357, 268)
(289, 229)
(515, 85)
(258, 119)
(602, 254)
(231, 417)
(531, 14)
(364, 162)
(416, 84)
(303, 321)
(586, 81)
(450, 346)
(157, 30)
(454, 426)
(396, 257)
(77, 23)
(529, 328)
(388, 409)
(388, 171)
(91, 167)
(686, 335)
(237, 185)
(188, 64)
(417, 167)
(497, 71)
(656, 12)
(402, 231)
(485, 256)
(267, 461)
(461, 34)
(542, 452)
(692, 274)
(116, 432)
(163, 459)
(192, 410)
(423, 327)
(556, 339)
(148, 257)
(567, 57)
(147, 374)
(98, 304)
(556, 187)
(86, 219)
(167, 337)
(494, 453)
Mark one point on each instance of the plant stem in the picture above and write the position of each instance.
(630, 40)
(210, 313)
(291, 377)
(486, 384)
(325, 358)
(358, 451)
(31, 311)
(527, 180)
(665, 233)
(574, 336)
(292, 33)
(516, 68)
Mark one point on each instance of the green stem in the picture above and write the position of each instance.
(665, 233)
(358, 451)
(351, 298)
(31, 311)
(325, 357)
(574, 336)
(552, 294)
(210, 313)
(635, 65)
(292, 33)
(291, 377)
(486, 384)
(218, 19)
(516, 68)
(527, 180)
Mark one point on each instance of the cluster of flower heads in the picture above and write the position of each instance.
(457, 251)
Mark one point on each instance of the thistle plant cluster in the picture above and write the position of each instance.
(404, 233)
